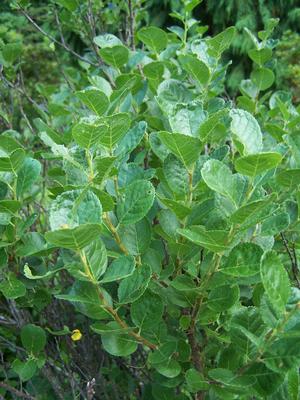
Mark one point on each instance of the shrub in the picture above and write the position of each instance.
(156, 219)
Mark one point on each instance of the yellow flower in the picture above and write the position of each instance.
(76, 335)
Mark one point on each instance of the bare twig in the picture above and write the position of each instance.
(52, 38)
(16, 392)
(293, 257)
(131, 24)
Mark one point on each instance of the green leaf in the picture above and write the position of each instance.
(27, 175)
(137, 199)
(136, 237)
(11, 287)
(208, 127)
(289, 178)
(216, 241)
(132, 139)
(187, 118)
(117, 343)
(275, 224)
(33, 338)
(115, 56)
(95, 99)
(96, 257)
(195, 381)
(197, 68)
(85, 298)
(170, 368)
(260, 56)
(246, 130)
(147, 311)
(11, 52)
(293, 141)
(33, 243)
(154, 38)
(117, 127)
(219, 178)
(243, 260)
(223, 297)
(255, 164)
(219, 43)
(131, 288)
(74, 208)
(263, 78)
(8, 144)
(275, 280)
(283, 354)
(10, 206)
(13, 162)
(88, 131)
(171, 93)
(120, 268)
(186, 148)
(74, 239)
(176, 175)
(253, 212)
(25, 369)
(103, 168)
(266, 381)
(42, 127)
(107, 40)
(180, 210)
(246, 330)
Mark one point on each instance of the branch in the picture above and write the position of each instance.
(131, 25)
(16, 392)
(52, 38)
(293, 257)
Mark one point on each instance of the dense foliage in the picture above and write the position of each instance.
(149, 223)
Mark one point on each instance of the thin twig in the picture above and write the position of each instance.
(293, 257)
(16, 392)
(52, 38)
(131, 25)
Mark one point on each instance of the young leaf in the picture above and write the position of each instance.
(219, 43)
